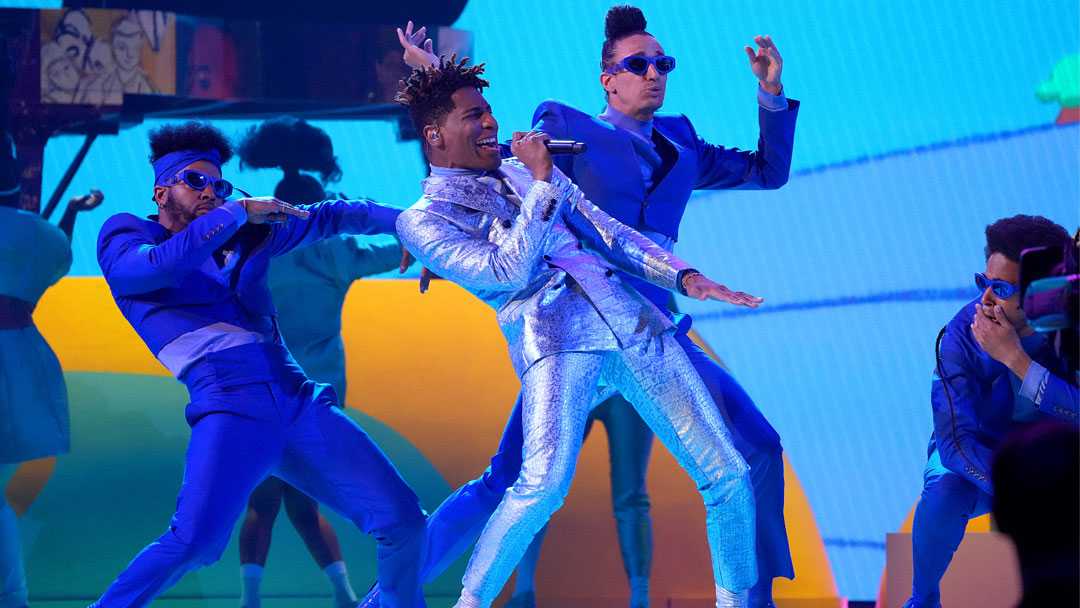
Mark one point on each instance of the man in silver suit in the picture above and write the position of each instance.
(521, 237)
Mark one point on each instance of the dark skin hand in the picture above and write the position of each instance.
(77, 205)
(1000, 340)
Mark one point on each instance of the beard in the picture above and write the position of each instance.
(179, 215)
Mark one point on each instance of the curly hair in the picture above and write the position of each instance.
(1012, 235)
(428, 91)
(290, 144)
(191, 135)
(621, 22)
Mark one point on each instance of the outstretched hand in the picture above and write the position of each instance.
(88, 202)
(264, 209)
(419, 51)
(700, 287)
(766, 64)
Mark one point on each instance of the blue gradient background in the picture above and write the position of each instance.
(919, 126)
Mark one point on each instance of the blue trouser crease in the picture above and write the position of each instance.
(947, 503)
(253, 413)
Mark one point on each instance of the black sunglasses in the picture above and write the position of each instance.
(198, 181)
(639, 64)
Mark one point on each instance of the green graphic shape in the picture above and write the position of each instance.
(1063, 86)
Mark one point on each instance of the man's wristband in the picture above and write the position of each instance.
(680, 279)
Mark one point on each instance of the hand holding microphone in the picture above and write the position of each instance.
(562, 146)
(530, 148)
(565, 146)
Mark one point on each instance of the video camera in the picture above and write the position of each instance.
(1050, 286)
(1050, 295)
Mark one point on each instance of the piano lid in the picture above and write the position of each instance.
(427, 12)
(137, 63)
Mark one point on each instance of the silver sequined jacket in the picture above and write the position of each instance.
(546, 267)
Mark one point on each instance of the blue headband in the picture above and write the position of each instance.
(169, 165)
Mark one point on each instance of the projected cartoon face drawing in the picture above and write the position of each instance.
(99, 66)
(104, 67)
(74, 35)
(59, 76)
(127, 44)
(63, 75)
(99, 60)
(127, 75)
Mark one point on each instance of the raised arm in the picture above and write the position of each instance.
(355, 257)
(133, 263)
(418, 49)
(474, 262)
(767, 167)
(329, 218)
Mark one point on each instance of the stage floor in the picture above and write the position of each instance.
(433, 601)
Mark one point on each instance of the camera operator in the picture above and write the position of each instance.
(1050, 393)
(993, 373)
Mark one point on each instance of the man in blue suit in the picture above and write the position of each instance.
(192, 283)
(993, 372)
(641, 168)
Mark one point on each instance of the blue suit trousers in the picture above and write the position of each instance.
(948, 501)
(289, 428)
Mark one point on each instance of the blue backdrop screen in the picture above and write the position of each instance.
(919, 126)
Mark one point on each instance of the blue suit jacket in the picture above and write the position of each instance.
(168, 284)
(975, 401)
(609, 172)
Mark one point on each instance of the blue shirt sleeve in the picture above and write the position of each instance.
(770, 102)
(133, 262)
(329, 218)
(1051, 395)
(766, 168)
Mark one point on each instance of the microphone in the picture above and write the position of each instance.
(554, 146)
(565, 146)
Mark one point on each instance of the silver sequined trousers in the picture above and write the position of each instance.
(658, 379)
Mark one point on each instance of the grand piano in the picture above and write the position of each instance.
(99, 67)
